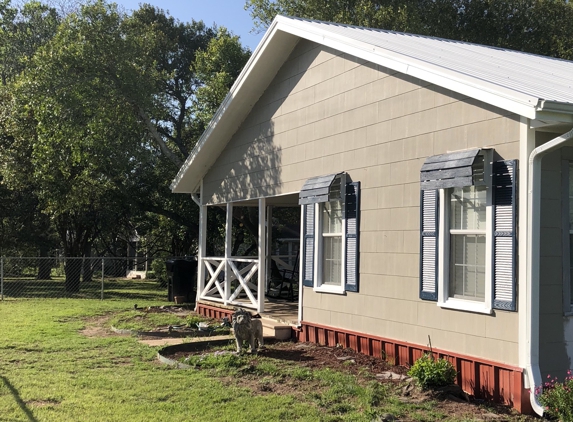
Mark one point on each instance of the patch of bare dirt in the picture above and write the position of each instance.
(96, 327)
(42, 403)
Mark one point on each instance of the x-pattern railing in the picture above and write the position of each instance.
(219, 283)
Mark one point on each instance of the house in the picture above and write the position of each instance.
(434, 181)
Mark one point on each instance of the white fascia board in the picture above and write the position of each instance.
(235, 107)
(504, 98)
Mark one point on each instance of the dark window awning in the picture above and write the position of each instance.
(455, 169)
(320, 189)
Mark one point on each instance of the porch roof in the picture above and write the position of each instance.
(529, 85)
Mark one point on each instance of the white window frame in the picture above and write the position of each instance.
(444, 301)
(319, 285)
(566, 168)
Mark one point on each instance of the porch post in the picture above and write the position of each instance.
(262, 255)
(269, 252)
(202, 252)
(228, 249)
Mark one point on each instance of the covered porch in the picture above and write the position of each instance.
(249, 257)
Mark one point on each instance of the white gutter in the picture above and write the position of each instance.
(533, 372)
(195, 199)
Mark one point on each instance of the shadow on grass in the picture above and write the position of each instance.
(18, 399)
(112, 289)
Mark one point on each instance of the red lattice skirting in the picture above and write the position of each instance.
(481, 378)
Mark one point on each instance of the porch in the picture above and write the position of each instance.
(256, 266)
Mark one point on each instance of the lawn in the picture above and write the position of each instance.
(51, 371)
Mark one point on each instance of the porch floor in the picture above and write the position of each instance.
(275, 309)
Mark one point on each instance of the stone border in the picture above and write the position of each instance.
(188, 347)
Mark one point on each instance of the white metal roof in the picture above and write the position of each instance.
(537, 76)
(526, 84)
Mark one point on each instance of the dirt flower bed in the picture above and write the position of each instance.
(449, 401)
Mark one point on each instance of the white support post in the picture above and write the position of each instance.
(269, 252)
(262, 255)
(228, 249)
(202, 246)
(202, 251)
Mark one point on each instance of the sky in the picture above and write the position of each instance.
(227, 13)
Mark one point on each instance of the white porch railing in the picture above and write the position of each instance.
(236, 286)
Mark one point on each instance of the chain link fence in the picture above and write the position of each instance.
(90, 278)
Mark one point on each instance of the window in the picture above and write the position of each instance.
(465, 278)
(467, 231)
(330, 234)
(331, 247)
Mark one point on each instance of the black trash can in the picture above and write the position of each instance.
(181, 279)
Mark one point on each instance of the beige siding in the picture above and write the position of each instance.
(326, 112)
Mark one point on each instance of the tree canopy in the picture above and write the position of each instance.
(99, 109)
(535, 26)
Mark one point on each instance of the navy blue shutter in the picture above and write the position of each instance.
(352, 222)
(429, 244)
(308, 246)
(504, 236)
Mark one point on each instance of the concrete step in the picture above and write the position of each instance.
(276, 329)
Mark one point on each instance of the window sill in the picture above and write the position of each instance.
(329, 289)
(466, 305)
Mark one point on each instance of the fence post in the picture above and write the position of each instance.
(102, 276)
(2, 278)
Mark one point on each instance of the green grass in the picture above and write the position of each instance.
(49, 371)
(142, 321)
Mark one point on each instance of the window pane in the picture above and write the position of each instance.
(332, 260)
(332, 217)
(468, 208)
(467, 267)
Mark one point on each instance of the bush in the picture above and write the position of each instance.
(557, 397)
(433, 373)
(160, 271)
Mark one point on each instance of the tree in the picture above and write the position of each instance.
(101, 118)
(535, 26)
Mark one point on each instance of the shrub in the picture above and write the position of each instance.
(557, 397)
(160, 271)
(433, 373)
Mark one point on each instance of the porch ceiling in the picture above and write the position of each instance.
(289, 200)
